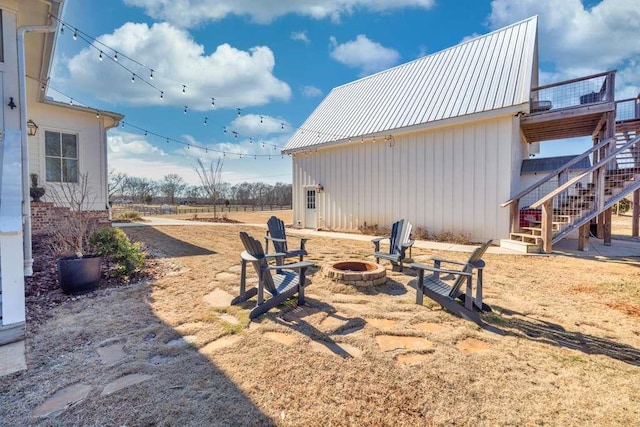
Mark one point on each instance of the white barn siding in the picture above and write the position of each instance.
(445, 179)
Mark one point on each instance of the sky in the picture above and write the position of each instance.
(236, 78)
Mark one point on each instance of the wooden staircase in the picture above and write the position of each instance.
(576, 202)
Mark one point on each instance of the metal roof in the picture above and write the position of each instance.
(548, 164)
(486, 73)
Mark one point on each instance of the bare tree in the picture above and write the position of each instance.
(172, 185)
(115, 183)
(211, 179)
(142, 189)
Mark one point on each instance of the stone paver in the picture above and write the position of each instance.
(382, 323)
(332, 323)
(182, 341)
(352, 350)
(430, 327)
(218, 298)
(218, 344)
(111, 354)
(300, 312)
(282, 338)
(395, 342)
(335, 349)
(62, 400)
(227, 276)
(12, 358)
(472, 345)
(412, 358)
(230, 319)
(126, 381)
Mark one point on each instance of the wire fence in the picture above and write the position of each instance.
(572, 93)
(177, 209)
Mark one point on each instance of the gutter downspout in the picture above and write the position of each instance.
(22, 88)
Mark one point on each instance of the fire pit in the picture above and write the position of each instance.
(356, 273)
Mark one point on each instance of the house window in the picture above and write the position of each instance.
(311, 199)
(61, 156)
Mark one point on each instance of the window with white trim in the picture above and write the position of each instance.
(61, 156)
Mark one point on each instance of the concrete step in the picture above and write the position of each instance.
(523, 247)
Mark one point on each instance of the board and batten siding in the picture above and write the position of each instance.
(450, 179)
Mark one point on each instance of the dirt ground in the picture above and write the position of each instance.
(569, 353)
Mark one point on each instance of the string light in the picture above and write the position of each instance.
(75, 34)
(184, 89)
(235, 134)
(239, 111)
(97, 114)
(161, 95)
(133, 78)
(205, 120)
(62, 29)
(213, 102)
(146, 133)
(250, 140)
(115, 57)
(185, 109)
(100, 56)
(261, 119)
(151, 75)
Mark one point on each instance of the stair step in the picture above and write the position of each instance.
(524, 237)
(524, 247)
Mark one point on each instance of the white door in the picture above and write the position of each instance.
(310, 215)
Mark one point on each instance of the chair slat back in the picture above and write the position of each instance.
(277, 231)
(395, 238)
(473, 259)
(254, 248)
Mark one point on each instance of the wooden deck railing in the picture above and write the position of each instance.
(628, 109)
(580, 91)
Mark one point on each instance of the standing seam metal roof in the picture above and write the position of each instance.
(487, 73)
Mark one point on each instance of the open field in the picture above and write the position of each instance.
(570, 353)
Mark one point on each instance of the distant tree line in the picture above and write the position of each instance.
(172, 189)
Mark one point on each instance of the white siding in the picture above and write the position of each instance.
(447, 179)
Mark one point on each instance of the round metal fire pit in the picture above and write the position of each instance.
(356, 273)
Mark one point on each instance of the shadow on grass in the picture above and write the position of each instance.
(523, 326)
(166, 246)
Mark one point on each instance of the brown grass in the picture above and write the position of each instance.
(571, 338)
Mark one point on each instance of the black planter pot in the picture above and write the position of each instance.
(79, 274)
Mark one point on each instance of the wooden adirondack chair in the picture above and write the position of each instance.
(399, 242)
(276, 233)
(280, 284)
(447, 295)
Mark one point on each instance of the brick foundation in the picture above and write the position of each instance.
(45, 214)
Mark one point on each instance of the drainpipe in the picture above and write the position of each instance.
(22, 86)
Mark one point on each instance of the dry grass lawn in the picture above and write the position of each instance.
(569, 354)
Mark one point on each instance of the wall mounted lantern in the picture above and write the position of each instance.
(11, 104)
(32, 128)
(319, 188)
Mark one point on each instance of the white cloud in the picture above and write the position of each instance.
(256, 125)
(365, 54)
(300, 36)
(311, 91)
(137, 156)
(234, 77)
(579, 40)
(189, 13)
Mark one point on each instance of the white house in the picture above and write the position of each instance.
(57, 141)
(435, 141)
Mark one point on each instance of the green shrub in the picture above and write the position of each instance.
(623, 206)
(114, 244)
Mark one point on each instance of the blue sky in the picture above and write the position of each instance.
(276, 59)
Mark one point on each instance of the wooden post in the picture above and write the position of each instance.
(635, 215)
(515, 216)
(607, 227)
(583, 237)
(547, 226)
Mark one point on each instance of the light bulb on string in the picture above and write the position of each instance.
(145, 133)
(167, 140)
(184, 89)
(42, 87)
(62, 29)
(213, 102)
(282, 126)
(261, 118)
(151, 75)
(235, 134)
(75, 34)
(100, 56)
(205, 120)
(250, 140)
(185, 109)
(255, 157)
(70, 101)
(97, 114)
(239, 112)
(224, 129)
(115, 57)
(161, 95)
(133, 78)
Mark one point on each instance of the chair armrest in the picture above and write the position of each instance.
(448, 261)
(408, 244)
(274, 239)
(379, 239)
(417, 266)
(247, 257)
(275, 255)
(294, 266)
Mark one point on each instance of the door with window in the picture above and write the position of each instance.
(310, 213)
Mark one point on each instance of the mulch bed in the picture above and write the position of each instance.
(43, 293)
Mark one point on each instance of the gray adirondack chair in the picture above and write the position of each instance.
(451, 296)
(278, 282)
(399, 242)
(277, 234)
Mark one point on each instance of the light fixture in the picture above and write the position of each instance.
(11, 104)
(32, 128)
